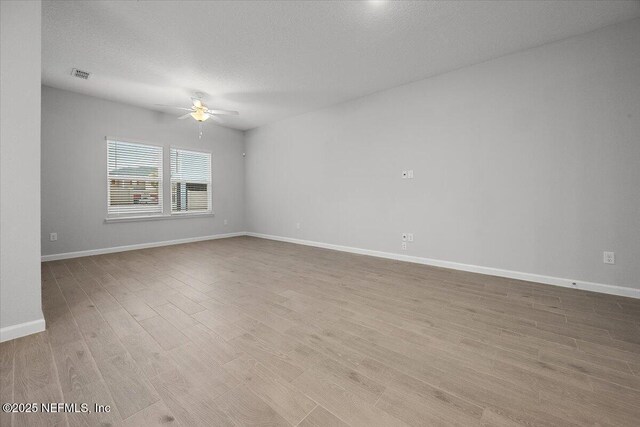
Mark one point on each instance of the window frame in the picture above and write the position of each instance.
(135, 215)
(209, 210)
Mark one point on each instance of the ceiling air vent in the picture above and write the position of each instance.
(80, 74)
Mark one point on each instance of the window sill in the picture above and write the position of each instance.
(157, 217)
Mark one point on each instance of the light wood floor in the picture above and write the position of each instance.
(246, 331)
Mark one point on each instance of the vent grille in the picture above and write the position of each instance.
(80, 74)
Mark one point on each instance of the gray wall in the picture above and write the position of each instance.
(19, 163)
(74, 187)
(530, 162)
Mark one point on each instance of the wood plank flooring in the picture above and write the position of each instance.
(246, 331)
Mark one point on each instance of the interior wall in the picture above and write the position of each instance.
(529, 163)
(74, 186)
(20, 306)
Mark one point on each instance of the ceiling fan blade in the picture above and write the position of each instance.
(173, 106)
(186, 116)
(215, 118)
(196, 102)
(223, 112)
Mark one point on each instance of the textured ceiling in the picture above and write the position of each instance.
(271, 60)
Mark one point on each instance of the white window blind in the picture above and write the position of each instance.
(134, 175)
(190, 181)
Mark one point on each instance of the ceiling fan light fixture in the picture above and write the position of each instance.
(200, 115)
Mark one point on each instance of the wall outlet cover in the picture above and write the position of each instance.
(410, 237)
(609, 257)
(53, 237)
(404, 246)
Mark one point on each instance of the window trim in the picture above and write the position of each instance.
(209, 211)
(163, 215)
(158, 217)
(134, 215)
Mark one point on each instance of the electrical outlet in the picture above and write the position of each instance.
(404, 246)
(410, 237)
(53, 237)
(609, 257)
(226, 222)
(404, 237)
(405, 174)
(410, 174)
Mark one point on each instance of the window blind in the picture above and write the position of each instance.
(190, 181)
(134, 179)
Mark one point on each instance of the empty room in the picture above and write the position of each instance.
(320, 213)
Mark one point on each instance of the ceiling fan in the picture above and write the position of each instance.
(201, 112)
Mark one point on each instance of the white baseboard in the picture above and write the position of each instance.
(530, 277)
(22, 330)
(91, 252)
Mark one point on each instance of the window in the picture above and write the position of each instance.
(190, 181)
(134, 175)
